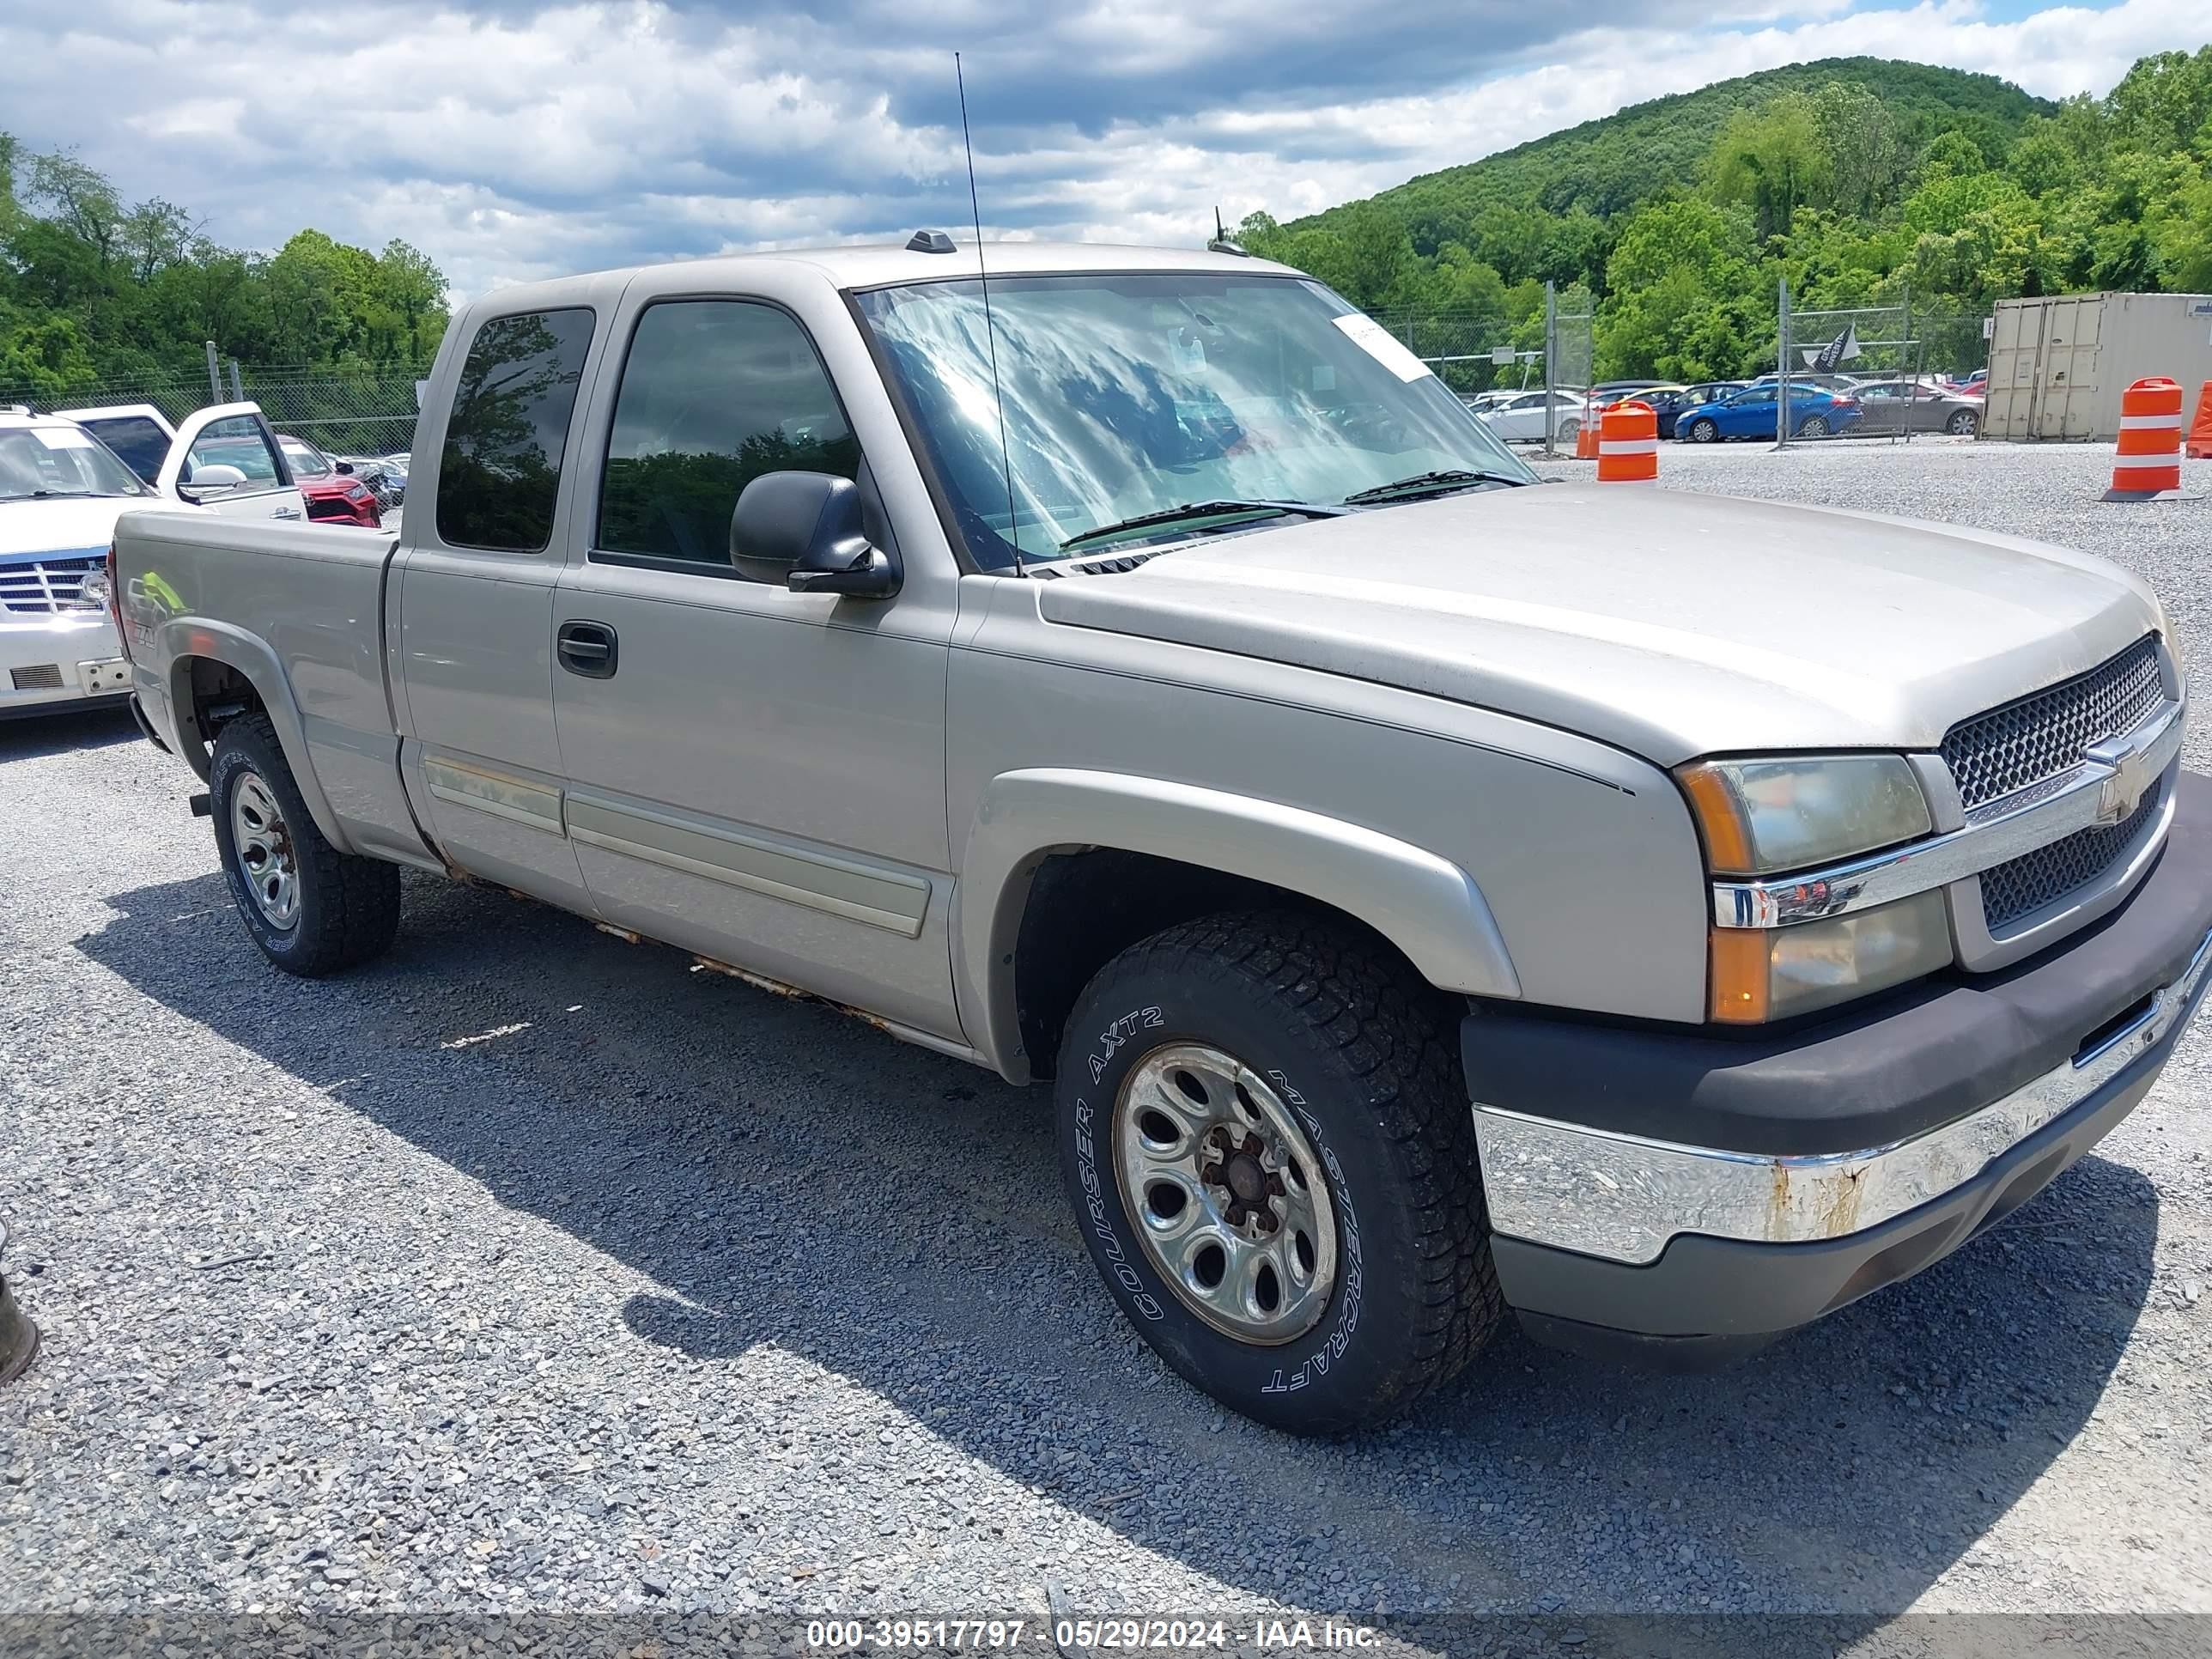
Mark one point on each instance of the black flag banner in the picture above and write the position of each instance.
(1838, 351)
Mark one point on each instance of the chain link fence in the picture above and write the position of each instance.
(352, 411)
(1874, 371)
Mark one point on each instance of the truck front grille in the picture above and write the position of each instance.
(2047, 733)
(2023, 885)
(43, 586)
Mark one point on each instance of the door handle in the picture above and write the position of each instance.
(588, 648)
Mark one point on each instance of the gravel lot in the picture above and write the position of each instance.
(528, 1274)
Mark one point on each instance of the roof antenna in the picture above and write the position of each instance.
(990, 333)
(1222, 242)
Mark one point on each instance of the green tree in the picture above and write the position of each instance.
(1775, 159)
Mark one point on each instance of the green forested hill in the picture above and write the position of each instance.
(1609, 165)
(1861, 181)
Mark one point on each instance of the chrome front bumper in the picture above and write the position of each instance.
(1624, 1198)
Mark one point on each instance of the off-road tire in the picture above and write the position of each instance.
(1367, 1056)
(349, 907)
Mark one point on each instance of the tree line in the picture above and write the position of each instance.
(1863, 183)
(96, 288)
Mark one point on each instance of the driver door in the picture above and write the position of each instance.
(236, 436)
(1749, 414)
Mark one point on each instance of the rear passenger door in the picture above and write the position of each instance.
(754, 774)
(473, 630)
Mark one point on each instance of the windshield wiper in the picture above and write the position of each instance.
(1430, 484)
(1170, 515)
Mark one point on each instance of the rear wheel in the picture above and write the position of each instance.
(1705, 431)
(311, 908)
(1813, 426)
(1271, 1154)
(1570, 430)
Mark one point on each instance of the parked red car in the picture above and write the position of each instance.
(333, 495)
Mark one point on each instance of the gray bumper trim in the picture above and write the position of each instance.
(1624, 1198)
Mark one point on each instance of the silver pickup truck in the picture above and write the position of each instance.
(1428, 891)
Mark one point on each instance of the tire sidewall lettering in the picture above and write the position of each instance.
(1305, 1361)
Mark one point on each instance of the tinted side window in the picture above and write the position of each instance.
(716, 393)
(501, 468)
(137, 442)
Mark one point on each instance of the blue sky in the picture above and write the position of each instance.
(513, 140)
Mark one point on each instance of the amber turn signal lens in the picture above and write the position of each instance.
(1728, 843)
(1741, 980)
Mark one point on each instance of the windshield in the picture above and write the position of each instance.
(306, 462)
(41, 461)
(1128, 395)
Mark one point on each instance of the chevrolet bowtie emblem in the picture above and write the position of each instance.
(2130, 780)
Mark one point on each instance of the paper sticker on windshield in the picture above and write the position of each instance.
(1378, 343)
(62, 437)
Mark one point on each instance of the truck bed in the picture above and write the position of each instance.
(318, 596)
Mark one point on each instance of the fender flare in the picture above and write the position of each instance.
(1427, 906)
(184, 639)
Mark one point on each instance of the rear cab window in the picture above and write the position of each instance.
(507, 437)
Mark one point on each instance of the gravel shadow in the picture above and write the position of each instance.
(787, 1176)
(26, 736)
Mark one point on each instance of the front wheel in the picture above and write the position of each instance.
(1961, 424)
(311, 908)
(1272, 1159)
(1704, 432)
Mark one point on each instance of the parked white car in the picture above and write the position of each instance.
(60, 490)
(1520, 420)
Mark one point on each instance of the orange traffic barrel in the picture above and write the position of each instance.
(1628, 445)
(2200, 430)
(2148, 462)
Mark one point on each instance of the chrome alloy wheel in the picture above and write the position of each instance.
(266, 857)
(1229, 1201)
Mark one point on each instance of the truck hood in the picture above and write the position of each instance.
(1671, 624)
(63, 524)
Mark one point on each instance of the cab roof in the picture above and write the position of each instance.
(865, 265)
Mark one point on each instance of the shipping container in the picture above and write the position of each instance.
(2058, 364)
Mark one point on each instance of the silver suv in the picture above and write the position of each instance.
(1428, 892)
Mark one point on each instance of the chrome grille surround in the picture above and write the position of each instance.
(2044, 734)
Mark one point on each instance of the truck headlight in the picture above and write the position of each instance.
(1772, 973)
(1769, 816)
(1760, 817)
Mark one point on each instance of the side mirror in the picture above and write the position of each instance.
(216, 476)
(803, 529)
(345, 467)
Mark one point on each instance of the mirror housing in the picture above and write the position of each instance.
(345, 467)
(214, 476)
(804, 530)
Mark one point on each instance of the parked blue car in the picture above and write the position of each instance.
(1750, 413)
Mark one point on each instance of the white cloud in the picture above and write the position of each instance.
(509, 142)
